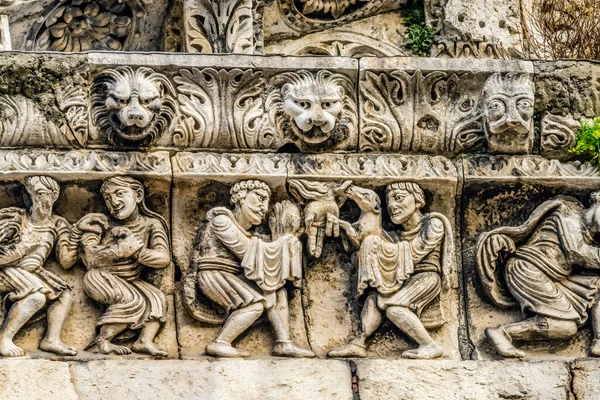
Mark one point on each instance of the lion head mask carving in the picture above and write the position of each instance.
(314, 110)
(133, 107)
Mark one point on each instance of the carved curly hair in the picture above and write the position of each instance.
(241, 189)
(411, 188)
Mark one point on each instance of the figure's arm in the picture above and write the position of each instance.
(586, 255)
(429, 238)
(96, 255)
(67, 244)
(14, 252)
(230, 235)
(157, 255)
(334, 224)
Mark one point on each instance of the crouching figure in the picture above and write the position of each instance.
(541, 267)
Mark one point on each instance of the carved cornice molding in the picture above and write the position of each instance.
(516, 167)
(385, 167)
(84, 164)
(230, 165)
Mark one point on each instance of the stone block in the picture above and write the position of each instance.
(330, 299)
(36, 380)
(586, 378)
(437, 106)
(208, 379)
(80, 175)
(5, 43)
(464, 380)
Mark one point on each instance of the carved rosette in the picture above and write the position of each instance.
(81, 25)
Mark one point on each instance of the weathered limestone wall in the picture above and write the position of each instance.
(286, 203)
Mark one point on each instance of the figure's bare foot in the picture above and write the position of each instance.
(350, 350)
(291, 349)
(222, 349)
(148, 348)
(501, 341)
(107, 347)
(9, 349)
(57, 348)
(424, 352)
(595, 349)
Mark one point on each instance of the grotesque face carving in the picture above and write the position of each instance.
(508, 112)
(313, 110)
(132, 107)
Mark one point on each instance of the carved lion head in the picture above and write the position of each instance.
(133, 107)
(314, 110)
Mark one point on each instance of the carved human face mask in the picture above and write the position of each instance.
(401, 205)
(254, 206)
(121, 202)
(508, 112)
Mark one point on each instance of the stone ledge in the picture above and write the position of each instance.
(263, 379)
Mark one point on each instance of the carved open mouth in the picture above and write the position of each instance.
(133, 133)
(315, 136)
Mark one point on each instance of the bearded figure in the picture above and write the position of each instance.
(133, 108)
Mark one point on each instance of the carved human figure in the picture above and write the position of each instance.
(508, 111)
(116, 250)
(540, 266)
(26, 239)
(403, 275)
(245, 274)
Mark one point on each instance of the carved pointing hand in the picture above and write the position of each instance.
(129, 244)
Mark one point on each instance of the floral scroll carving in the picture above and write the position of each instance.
(80, 25)
(219, 26)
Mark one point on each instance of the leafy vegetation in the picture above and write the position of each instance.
(587, 140)
(419, 36)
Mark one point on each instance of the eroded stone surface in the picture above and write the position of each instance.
(252, 379)
(383, 379)
(36, 379)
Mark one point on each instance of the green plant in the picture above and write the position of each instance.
(418, 36)
(587, 140)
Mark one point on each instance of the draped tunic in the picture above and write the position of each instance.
(22, 259)
(235, 269)
(116, 282)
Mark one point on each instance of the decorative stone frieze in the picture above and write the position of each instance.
(513, 207)
(114, 247)
(446, 107)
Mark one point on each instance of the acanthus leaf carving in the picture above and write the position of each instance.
(384, 124)
(487, 166)
(219, 27)
(221, 108)
(229, 164)
(73, 102)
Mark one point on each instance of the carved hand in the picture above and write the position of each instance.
(95, 222)
(129, 244)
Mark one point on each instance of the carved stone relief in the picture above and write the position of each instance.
(58, 292)
(448, 112)
(5, 43)
(133, 107)
(341, 279)
(218, 27)
(521, 217)
(74, 25)
(256, 109)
